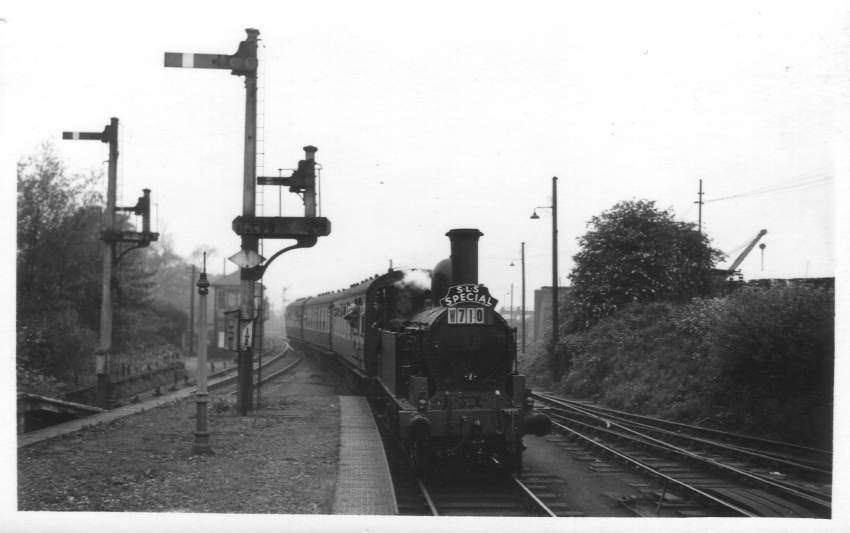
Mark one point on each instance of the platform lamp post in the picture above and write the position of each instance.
(202, 435)
(556, 370)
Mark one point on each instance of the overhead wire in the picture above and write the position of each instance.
(813, 179)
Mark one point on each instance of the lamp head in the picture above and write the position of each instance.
(534, 215)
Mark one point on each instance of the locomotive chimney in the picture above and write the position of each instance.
(464, 255)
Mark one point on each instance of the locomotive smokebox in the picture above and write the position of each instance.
(464, 255)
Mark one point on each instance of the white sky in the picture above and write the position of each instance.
(436, 115)
(448, 116)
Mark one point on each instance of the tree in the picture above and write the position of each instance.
(59, 275)
(58, 226)
(635, 252)
(57, 264)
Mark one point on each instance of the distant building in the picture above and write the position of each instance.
(543, 309)
(226, 294)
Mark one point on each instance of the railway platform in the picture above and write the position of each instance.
(364, 486)
(309, 448)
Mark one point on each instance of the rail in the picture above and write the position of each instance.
(824, 455)
(427, 496)
(610, 426)
(539, 505)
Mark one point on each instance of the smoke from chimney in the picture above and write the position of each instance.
(419, 279)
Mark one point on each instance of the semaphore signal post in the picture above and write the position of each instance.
(305, 230)
(111, 236)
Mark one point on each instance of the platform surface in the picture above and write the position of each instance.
(364, 485)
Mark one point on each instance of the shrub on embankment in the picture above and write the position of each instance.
(758, 361)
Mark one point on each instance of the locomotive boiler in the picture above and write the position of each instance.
(439, 360)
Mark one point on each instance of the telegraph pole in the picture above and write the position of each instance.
(700, 202)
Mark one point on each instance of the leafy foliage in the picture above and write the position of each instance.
(59, 275)
(58, 227)
(759, 360)
(637, 253)
(775, 354)
(57, 267)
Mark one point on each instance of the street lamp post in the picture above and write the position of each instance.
(554, 207)
(523, 298)
(522, 261)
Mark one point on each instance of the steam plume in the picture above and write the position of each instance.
(418, 279)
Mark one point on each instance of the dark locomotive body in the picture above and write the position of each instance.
(441, 370)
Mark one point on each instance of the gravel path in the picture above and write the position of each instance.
(280, 459)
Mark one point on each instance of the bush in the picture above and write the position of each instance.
(50, 346)
(759, 360)
(775, 352)
(535, 365)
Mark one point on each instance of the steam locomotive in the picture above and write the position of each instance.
(439, 360)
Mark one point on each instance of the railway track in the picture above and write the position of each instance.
(270, 370)
(275, 367)
(727, 474)
(480, 497)
(490, 493)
